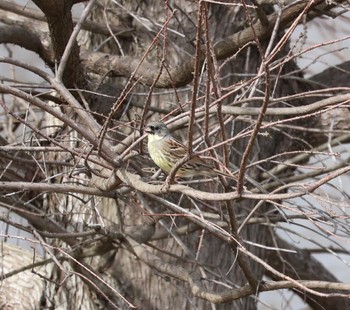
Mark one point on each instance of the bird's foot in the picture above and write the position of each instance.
(166, 186)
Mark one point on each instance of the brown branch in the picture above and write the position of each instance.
(90, 131)
(196, 70)
(255, 131)
(300, 189)
(35, 217)
(134, 181)
(182, 74)
(291, 111)
(193, 279)
(278, 169)
(55, 188)
(10, 6)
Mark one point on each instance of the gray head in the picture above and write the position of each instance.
(157, 130)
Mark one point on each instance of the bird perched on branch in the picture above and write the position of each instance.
(166, 151)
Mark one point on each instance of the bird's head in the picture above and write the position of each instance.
(157, 130)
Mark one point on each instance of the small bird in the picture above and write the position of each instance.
(166, 151)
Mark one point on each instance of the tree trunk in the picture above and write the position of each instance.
(115, 233)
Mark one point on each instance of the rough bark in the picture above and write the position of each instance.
(116, 245)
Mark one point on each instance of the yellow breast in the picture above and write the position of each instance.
(155, 151)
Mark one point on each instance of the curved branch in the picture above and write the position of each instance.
(26, 38)
(303, 189)
(90, 131)
(182, 74)
(55, 188)
(10, 6)
(197, 289)
(135, 182)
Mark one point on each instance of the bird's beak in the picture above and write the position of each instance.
(147, 129)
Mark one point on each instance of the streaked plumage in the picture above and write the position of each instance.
(166, 151)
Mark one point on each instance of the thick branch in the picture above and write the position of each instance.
(182, 73)
(9, 6)
(60, 21)
(26, 38)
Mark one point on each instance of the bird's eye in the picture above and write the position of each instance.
(153, 129)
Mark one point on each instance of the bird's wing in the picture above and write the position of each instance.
(176, 148)
(196, 162)
(180, 150)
